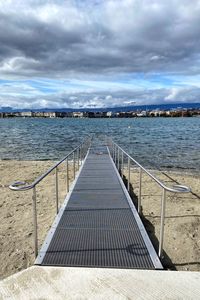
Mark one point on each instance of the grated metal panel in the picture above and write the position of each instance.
(98, 218)
(99, 177)
(97, 174)
(99, 180)
(97, 227)
(96, 186)
(98, 248)
(97, 199)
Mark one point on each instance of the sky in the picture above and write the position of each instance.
(100, 53)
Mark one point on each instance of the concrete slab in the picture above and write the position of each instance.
(85, 283)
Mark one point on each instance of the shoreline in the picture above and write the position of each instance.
(177, 171)
(182, 230)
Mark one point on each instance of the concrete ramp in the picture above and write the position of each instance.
(50, 283)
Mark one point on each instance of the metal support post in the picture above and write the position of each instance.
(78, 157)
(162, 221)
(129, 166)
(115, 155)
(122, 164)
(81, 154)
(83, 151)
(118, 159)
(67, 175)
(35, 222)
(74, 164)
(56, 173)
(140, 191)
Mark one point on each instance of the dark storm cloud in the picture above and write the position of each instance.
(51, 38)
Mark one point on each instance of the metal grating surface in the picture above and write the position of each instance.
(98, 218)
(97, 199)
(97, 227)
(98, 248)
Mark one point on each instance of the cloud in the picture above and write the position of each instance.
(33, 95)
(100, 41)
(173, 94)
(64, 39)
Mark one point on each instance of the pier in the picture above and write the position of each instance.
(98, 225)
(97, 245)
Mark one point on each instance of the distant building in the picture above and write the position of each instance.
(142, 114)
(39, 114)
(17, 114)
(77, 114)
(49, 114)
(63, 114)
(103, 114)
(90, 114)
(26, 114)
(2, 115)
(109, 114)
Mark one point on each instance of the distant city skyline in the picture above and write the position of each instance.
(87, 54)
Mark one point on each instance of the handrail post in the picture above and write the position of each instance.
(162, 222)
(83, 151)
(129, 171)
(74, 164)
(122, 164)
(78, 157)
(140, 191)
(81, 155)
(35, 222)
(115, 154)
(67, 162)
(56, 174)
(113, 151)
(118, 159)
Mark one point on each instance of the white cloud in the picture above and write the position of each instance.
(173, 94)
(93, 43)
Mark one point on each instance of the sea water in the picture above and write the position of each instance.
(157, 143)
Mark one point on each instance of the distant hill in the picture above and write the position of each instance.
(114, 109)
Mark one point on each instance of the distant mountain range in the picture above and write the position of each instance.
(113, 109)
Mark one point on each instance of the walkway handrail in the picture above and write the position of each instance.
(175, 189)
(80, 152)
(115, 154)
(16, 186)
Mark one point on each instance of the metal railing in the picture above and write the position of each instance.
(77, 155)
(117, 154)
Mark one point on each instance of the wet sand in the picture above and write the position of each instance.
(182, 230)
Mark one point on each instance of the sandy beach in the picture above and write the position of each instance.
(182, 230)
(182, 219)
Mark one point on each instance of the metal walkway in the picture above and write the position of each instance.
(98, 225)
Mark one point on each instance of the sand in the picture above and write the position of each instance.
(182, 222)
(182, 230)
